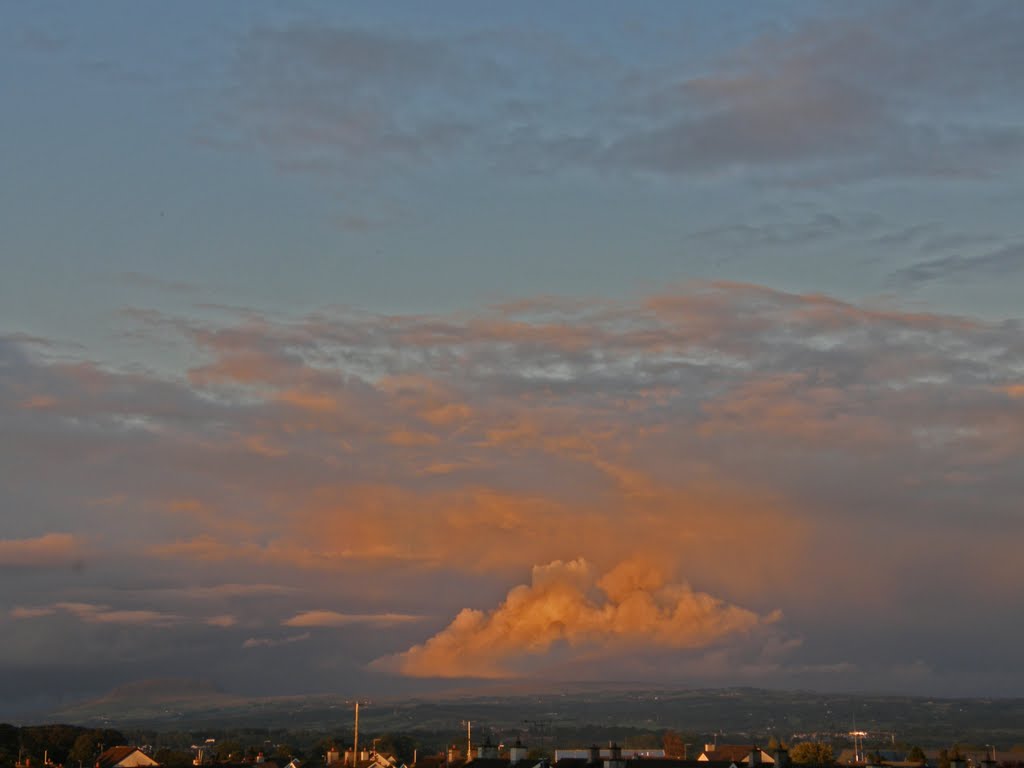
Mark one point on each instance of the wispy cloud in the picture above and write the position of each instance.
(858, 94)
(274, 642)
(32, 612)
(346, 93)
(47, 551)
(151, 282)
(233, 590)
(97, 613)
(1001, 263)
(323, 618)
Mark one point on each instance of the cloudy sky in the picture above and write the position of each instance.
(374, 349)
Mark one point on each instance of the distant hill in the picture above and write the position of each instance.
(167, 689)
(149, 701)
(746, 714)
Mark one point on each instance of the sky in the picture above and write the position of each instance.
(388, 348)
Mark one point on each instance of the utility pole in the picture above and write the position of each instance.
(355, 739)
(541, 727)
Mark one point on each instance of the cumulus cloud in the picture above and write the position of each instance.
(632, 607)
(324, 618)
(49, 550)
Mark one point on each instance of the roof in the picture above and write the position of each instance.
(732, 753)
(117, 755)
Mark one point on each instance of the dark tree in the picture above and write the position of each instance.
(673, 744)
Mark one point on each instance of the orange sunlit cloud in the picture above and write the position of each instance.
(563, 604)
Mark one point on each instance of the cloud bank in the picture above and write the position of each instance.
(777, 450)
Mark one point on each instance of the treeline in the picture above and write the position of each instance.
(68, 745)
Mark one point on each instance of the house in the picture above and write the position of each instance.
(124, 757)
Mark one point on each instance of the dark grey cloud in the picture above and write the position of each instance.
(886, 91)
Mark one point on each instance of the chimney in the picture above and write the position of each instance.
(595, 755)
(614, 757)
(755, 756)
(516, 753)
(333, 756)
(781, 757)
(488, 751)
